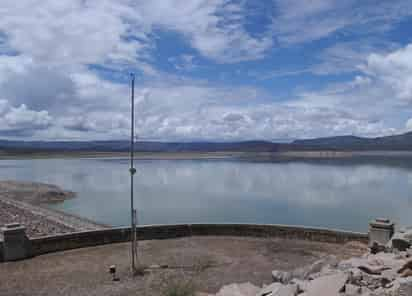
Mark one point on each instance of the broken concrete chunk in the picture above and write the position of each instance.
(315, 268)
(244, 289)
(281, 276)
(351, 290)
(278, 289)
(403, 286)
(372, 270)
(302, 285)
(330, 285)
(401, 240)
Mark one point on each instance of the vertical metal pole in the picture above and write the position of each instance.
(132, 171)
(135, 237)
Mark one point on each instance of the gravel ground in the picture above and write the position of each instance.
(206, 262)
(36, 225)
(33, 193)
(25, 202)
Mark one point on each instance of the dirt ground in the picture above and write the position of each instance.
(206, 262)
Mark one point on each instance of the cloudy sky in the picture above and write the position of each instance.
(205, 69)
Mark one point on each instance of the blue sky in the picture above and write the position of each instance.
(214, 70)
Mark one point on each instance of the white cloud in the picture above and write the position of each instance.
(408, 125)
(298, 21)
(50, 92)
(214, 27)
(70, 32)
(21, 120)
(110, 32)
(188, 110)
(381, 95)
(47, 48)
(346, 57)
(394, 70)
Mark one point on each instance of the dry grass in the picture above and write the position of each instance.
(181, 287)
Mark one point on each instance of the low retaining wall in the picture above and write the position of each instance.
(75, 240)
(1, 251)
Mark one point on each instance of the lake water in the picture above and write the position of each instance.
(334, 194)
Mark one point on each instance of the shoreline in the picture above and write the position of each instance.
(217, 155)
(24, 203)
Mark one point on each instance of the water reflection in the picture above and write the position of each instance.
(328, 195)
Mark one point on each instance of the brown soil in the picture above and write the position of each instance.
(207, 262)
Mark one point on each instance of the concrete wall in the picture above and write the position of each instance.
(62, 242)
(280, 231)
(1, 251)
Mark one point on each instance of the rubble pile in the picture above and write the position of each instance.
(386, 270)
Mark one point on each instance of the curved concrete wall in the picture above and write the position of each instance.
(47, 244)
(63, 242)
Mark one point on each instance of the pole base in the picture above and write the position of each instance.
(139, 270)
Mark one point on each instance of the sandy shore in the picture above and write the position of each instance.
(25, 203)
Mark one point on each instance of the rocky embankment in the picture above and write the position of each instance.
(33, 193)
(383, 271)
(23, 202)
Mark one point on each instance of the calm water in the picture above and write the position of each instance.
(337, 195)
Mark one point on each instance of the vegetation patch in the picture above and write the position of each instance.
(181, 287)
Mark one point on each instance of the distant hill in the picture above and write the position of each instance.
(343, 143)
(143, 146)
(395, 142)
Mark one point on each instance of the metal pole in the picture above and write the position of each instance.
(132, 172)
(135, 237)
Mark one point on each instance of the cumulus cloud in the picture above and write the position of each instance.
(71, 32)
(192, 110)
(394, 70)
(48, 50)
(50, 88)
(21, 120)
(380, 95)
(118, 32)
(45, 88)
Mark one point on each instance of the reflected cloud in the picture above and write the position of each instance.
(183, 191)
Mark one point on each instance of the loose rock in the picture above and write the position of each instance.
(278, 289)
(330, 285)
(244, 289)
(281, 276)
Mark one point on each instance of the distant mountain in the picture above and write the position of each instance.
(146, 146)
(395, 142)
(345, 143)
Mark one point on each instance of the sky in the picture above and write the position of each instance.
(206, 70)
